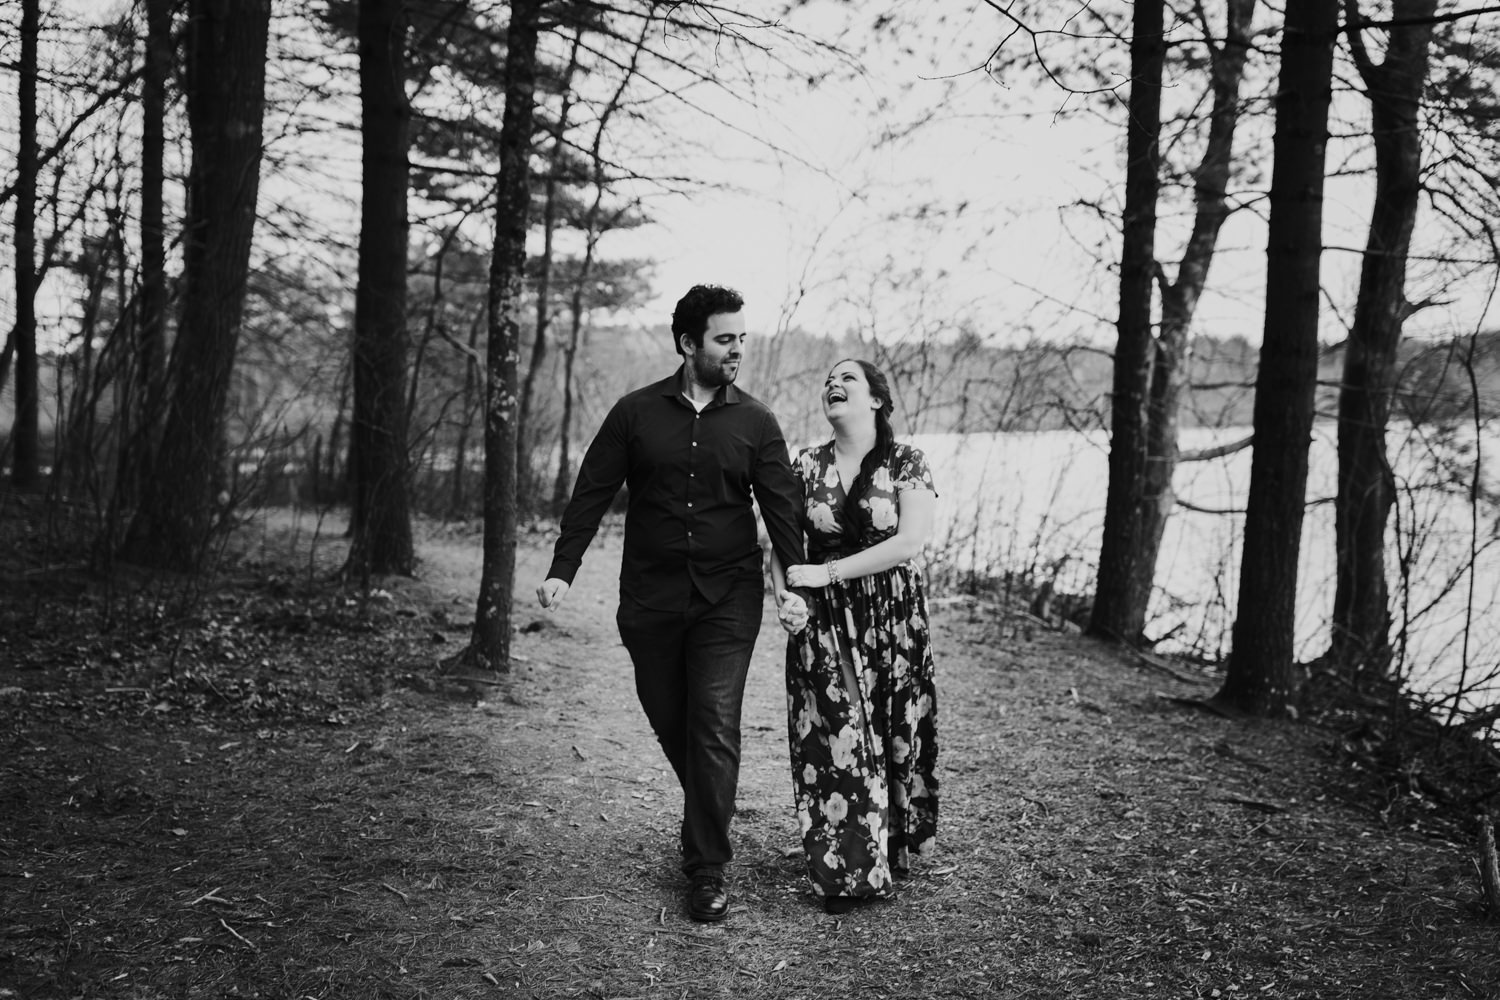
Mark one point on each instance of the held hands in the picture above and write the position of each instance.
(791, 611)
(551, 592)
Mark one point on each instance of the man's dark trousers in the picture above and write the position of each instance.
(690, 669)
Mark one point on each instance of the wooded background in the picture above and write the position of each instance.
(205, 343)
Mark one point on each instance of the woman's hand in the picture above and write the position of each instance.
(807, 575)
(792, 613)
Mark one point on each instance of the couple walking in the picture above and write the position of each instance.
(844, 520)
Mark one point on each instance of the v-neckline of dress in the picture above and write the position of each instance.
(838, 473)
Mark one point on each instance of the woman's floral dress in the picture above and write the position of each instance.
(863, 763)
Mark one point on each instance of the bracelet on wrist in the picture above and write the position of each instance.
(834, 576)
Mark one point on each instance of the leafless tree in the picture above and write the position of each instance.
(1361, 612)
(1124, 575)
(1261, 678)
(1150, 376)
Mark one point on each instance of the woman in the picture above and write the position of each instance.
(860, 695)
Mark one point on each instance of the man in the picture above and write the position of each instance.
(694, 451)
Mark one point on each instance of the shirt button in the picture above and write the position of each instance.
(690, 503)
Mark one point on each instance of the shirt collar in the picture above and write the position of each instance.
(727, 394)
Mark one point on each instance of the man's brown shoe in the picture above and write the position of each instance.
(708, 899)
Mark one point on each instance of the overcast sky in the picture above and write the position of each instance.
(804, 210)
(1023, 260)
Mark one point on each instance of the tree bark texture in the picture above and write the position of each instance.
(380, 518)
(1262, 677)
(1361, 611)
(491, 638)
(1173, 350)
(1118, 586)
(25, 431)
(1489, 865)
(225, 88)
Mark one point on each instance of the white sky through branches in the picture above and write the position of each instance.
(987, 217)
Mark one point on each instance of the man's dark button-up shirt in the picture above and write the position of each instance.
(692, 476)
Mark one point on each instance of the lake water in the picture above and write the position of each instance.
(1018, 501)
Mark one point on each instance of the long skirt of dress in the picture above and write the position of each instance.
(864, 761)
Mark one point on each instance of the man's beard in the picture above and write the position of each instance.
(714, 375)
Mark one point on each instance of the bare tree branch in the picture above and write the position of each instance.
(1218, 451)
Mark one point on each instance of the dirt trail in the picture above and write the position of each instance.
(1096, 839)
(576, 652)
(517, 837)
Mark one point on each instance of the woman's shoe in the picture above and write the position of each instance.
(839, 905)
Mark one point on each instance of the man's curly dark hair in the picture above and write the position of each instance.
(693, 310)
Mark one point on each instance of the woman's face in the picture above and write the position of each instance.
(846, 394)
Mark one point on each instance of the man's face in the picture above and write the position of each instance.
(717, 362)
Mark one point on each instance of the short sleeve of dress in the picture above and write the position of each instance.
(806, 466)
(910, 470)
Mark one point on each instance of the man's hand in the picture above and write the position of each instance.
(791, 611)
(551, 592)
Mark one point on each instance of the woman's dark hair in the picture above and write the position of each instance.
(690, 318)
(885, 442)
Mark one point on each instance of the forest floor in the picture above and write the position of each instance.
(262, 786)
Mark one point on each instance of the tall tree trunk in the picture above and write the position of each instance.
(490, 643)
(157, 70)
(381, 540)
(524, 487)
(225, 85)
(1179, 302)
(140, 390)
(1123, 510)
(1361, 613)
(1262, 677)
(26, 447)
(143, 390)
